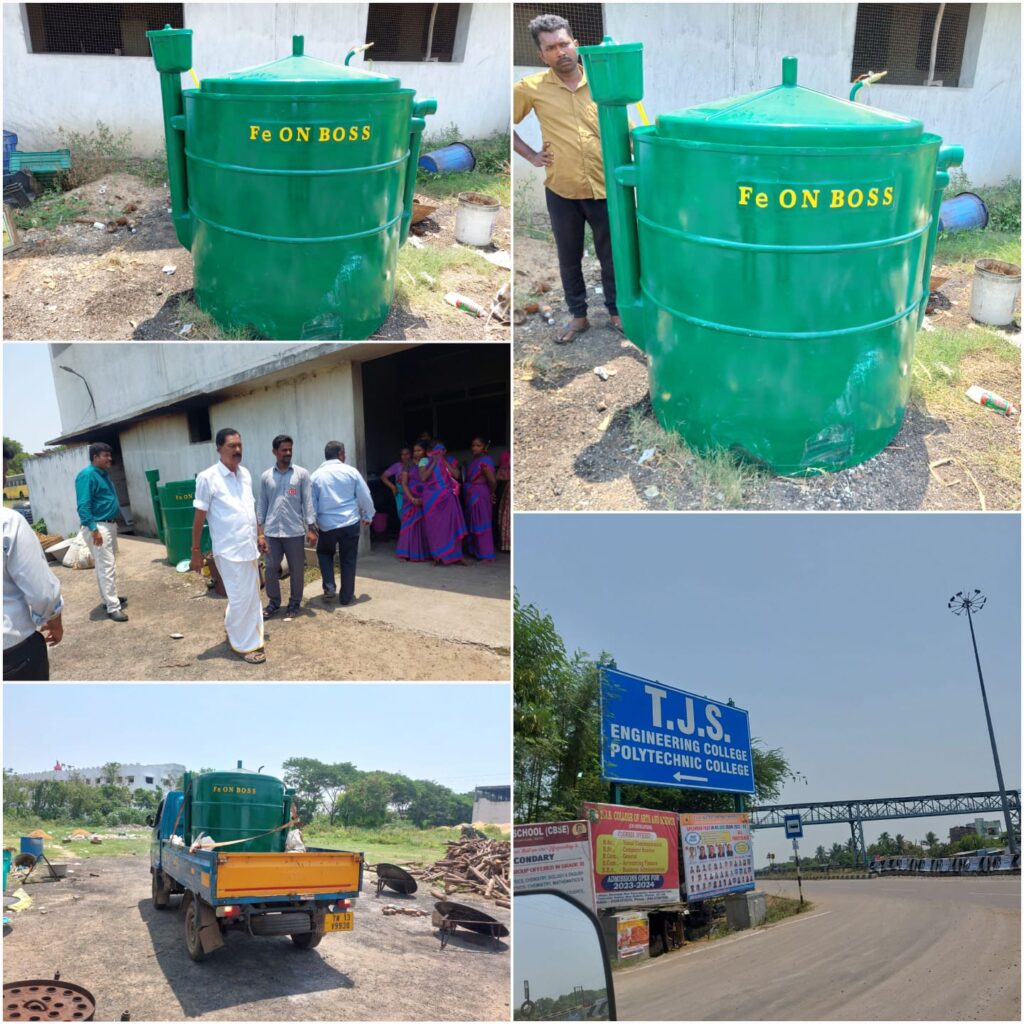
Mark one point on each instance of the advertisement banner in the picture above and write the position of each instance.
(636, 855)
(633, 934)
(554, 855)
(718, 854)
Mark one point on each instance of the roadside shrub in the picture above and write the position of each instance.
(94, 154)
(39, 526)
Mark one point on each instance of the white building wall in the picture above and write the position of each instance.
(161, 774)
(695, 53)
(492, 812)
(51, 487)
(43, 92)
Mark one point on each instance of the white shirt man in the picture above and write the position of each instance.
(224, 499)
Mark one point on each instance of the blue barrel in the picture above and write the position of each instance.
(456, 157)
(29, 844)
(10, 145)
(7, 867)
(962, 212)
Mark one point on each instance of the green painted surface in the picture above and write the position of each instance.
(232, 805)
(773, 254)
(295, 192)
(177, 514)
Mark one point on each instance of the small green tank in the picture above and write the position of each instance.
(230, 805)
(292, 184)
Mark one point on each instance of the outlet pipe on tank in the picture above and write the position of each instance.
(172, 54)
(949, 156)
(153, 476)
(356, 49)
(615, 75)
(869, 79)
(420, 109)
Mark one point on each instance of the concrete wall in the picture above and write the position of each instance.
(694, 53)
(162, 774)
(493, 812)
(43, 92)
(51, 487)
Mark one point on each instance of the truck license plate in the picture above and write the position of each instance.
(338, 922)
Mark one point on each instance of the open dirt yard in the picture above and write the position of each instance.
(99, 929)
(578, 439)
(72, 280)
(408, 622)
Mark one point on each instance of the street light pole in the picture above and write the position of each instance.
(969, 602)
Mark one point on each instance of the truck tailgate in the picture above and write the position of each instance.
(287, 874)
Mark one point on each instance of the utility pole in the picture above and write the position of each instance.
(970, 602)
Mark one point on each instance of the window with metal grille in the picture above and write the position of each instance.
(413, 32)
(116, 30)
(901, 39)
(585, 20)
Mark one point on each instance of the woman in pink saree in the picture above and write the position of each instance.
(478, 490)
(412, 538)
(443, 522)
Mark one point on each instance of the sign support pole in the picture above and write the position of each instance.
(799, 884)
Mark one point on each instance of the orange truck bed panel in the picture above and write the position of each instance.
(286, 874)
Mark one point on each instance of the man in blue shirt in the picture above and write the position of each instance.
(341, 500)
(98, 510)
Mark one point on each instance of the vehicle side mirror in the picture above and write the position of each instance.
(149, 820)
(561, 967)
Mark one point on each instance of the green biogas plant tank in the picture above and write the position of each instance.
(239, 804)
(291, 183)
(772, 257)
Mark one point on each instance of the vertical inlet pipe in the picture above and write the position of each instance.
(153, 476)
(949, 156)
(419, 111)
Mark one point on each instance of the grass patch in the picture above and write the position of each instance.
(489, 176)
(978, 244)
(421, 272)
(780, 907)
(50, 210)
(938, 359)
(205, 328)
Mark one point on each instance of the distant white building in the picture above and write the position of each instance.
(134, 776)
(492, 804)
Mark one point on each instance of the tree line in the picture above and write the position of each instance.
(846, 855)
(327, 794)
(557, 726)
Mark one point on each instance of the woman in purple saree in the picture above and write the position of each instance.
(412, 538)
(443, 521)
(478, 490)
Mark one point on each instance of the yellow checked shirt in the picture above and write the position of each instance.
(568, 122)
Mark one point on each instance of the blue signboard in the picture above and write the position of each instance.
(658, 735)
(794, 826)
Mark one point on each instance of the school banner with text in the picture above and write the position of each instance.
(718, 854)
(554, 855)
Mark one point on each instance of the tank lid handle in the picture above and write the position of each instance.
(297, 46)
(789, 70)
(297, 37)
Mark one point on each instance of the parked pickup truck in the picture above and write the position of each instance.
(304, 895)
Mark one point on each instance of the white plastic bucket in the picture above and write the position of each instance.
(994, 292)
(475, 217)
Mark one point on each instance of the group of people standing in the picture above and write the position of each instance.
(447, 510)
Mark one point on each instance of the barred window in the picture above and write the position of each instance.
(413, 32)
(116, 30)
(898, 38)
(585, 20)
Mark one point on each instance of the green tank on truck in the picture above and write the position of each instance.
(772, 257)
(221, 841)
(291, 184)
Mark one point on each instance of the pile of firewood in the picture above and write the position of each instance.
(479, 866)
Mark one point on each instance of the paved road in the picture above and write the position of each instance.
(882, 949)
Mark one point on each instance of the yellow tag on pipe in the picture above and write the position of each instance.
(192, 72)
(643, 113)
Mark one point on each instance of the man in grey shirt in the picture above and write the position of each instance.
(285, 519)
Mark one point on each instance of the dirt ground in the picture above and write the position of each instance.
(408, 622)
(99, 929)
(575, 448)
(80, 282)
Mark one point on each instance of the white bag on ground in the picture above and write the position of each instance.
(78, 555)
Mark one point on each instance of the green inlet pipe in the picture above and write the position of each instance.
(949, 156)
(419, 111)
(153, 476)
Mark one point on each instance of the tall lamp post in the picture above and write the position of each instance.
(969, 603)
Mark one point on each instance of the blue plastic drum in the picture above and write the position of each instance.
(29, 844)
(456, 157)
(962, 212)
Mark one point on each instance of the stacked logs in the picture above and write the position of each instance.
(479, 866)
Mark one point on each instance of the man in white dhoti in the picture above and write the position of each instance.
(224, 499)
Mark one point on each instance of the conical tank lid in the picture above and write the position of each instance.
(298, 75)
(789, 115)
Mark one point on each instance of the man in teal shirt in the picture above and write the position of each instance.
(98, 510)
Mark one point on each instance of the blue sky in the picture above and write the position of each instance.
(30, 401)
(830, 629)
(455, 734)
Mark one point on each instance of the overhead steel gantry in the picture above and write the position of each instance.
(855, 812)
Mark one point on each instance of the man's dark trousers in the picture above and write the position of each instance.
(27, 660)
(568, 219)
(345, 539)
(294, 549)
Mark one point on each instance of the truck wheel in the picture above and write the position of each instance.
(307, 940)
(192, 943)
(161, 897)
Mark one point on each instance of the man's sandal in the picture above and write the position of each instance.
(569, 334)
(254, 658)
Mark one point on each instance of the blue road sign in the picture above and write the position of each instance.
(794, 826)
(658, 735)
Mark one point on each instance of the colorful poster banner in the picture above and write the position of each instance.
(636, 855)
(718, 854)
(632, 933)
(554, 855)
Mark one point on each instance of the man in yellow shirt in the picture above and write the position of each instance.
(574, 181)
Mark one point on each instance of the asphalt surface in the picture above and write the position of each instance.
(882, 949)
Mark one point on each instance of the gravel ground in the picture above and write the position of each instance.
(576, 446)
(99, 929)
